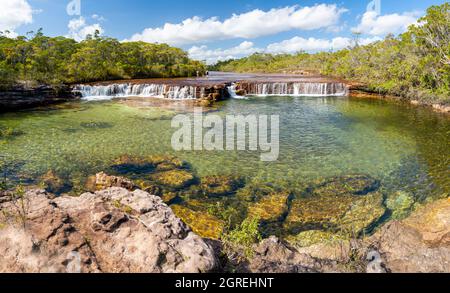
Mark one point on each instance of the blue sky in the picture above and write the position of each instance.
(282, 26)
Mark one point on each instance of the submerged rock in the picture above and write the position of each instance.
(166, 163)
(316, 213)
(202, 223)
(96, 125)
(310, 238)
(341, 185)
(174, 179)
(271, 208)
(95, 233)
(53, 183)
(344, 213)
(216, 186)
(254, 192)
(126, 164)
(149, 187)
(102, 181)
(400, 204)
(362, 214)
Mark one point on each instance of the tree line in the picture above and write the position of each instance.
(39, 59)
(414, 65)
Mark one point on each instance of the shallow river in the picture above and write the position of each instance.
(406, 148)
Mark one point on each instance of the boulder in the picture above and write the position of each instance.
(113, 230)
(418, 244)
(102, 181)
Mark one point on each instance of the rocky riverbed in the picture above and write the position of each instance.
(118, 230)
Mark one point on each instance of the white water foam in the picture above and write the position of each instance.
(114, 91)
(307, 89)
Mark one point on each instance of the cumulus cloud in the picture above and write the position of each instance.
(79, 29)
(290, 46)
(381, 25)
(297, 44)
(13, 14)
(212, 56)
(253, 24)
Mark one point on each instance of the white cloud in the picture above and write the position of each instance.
(13, 14)
(381, 25)
(252, 24)
(79, 29)
(290, 46)
(297, 44)
(212, 56)
(98, 17)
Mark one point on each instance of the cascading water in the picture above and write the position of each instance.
(232, 92)
(296, 89)
(107, 92)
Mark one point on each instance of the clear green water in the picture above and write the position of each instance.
(407, 148)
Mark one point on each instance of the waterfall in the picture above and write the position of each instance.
(107, 92)
(232, 92)
(310, 89)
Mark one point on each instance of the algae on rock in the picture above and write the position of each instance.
(174, 179)
(271, 208)
(202, 223)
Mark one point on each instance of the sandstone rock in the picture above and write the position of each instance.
(362, 214)
(346, 213)
(274, 256)
(21, 97)
(313, 237)
(271, 208)
(433, 222)
(316, 213)
(102, 181)
(420, 243)
(96, 233)
(202, 223)
(216, 186)
(52, 182)
(174, 179)
(400, 204)
(341, 185)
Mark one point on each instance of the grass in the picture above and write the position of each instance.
(240, 241)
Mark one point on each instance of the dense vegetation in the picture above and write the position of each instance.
(45, 60)
(414, 65)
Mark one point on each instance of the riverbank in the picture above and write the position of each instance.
(117, 230)
(359, 90)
